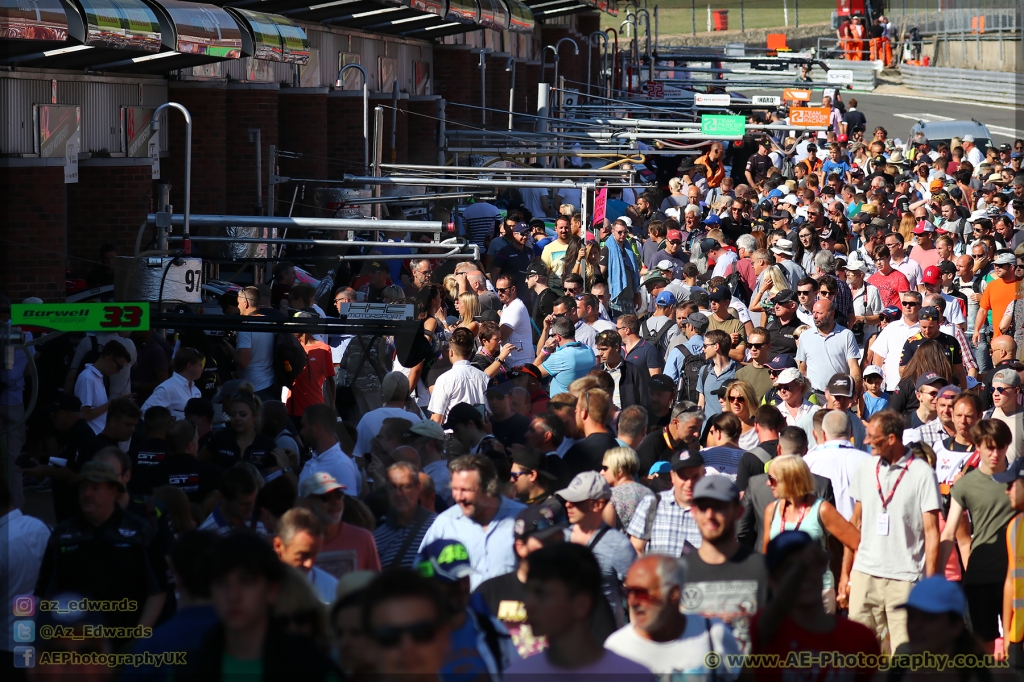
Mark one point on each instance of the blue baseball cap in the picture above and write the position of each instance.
(784, 544)
(892, 313)
(781, 362)
(1012, 473)
(665, 298)
(776, 193)
(444, 560)
(665, 467)
(712, 219)
(936, 595)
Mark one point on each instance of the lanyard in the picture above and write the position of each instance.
(878, 468)
(803, 515)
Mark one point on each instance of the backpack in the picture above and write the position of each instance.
(689, 376)
(289, 358)
(734, 281)
(654, 338)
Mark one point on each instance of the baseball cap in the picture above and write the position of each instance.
(665, 299)
(791, 199)
(531, 458)
(781, 215)
(945, 390)
(501, 389)
(929, 378)
(98, 472)
(931, 275)
(923, 226)
(426, 428)
(946, 267)
(873, 370)
(69, 403)
(988, 187)
(787, 376)
(930, 312)
(684, 460)
(719, 293)
(536, 268)
(712, 219)
(707, 245)
(587, 485)
(785, 296)
(784, 544)
(227, 390)
(444, 560)
(967, 138)
(1014, 471)
(781, 362)
(1007, 376)
(319, 483)
(776, 193)
(841, 385)
(904, 177)
(879, 222)
(653, 276)
(662, 382)
(520, 228)
(529, 369)
(935, 185)
(674, 235)
(463, 413)
(1004, 259)
(699, 321)
(538, 521)
(665, 265)
(376, 266)
(891, 313)
(716, 487)
(936, 594)
(665, 467)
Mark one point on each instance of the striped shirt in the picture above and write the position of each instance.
(723, 459)
(390, 538)
(491, 549)
(673, 525)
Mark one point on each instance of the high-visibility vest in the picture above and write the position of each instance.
(1015, 551)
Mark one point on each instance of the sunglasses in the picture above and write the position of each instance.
(910, 304)
(803, 293)
(737, 399)
(332, 496)
(791, 387)
(826, 293)
(1003, 389)
(756, 346)
(772, 481)
(423, 632)
(503, 290)
(516, 474)
(675, 241)
(603, 469)
(640, 594)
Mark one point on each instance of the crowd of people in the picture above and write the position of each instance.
(771, 407)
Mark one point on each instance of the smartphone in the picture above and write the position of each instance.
(481, 409)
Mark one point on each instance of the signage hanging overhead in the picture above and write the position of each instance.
(704, 100)
(723, 126)
(83, 317)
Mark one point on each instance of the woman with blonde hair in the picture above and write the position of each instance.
(740, 399)
(906, 228)
(392, 294)
(676, 196)
(798, 507)
(468, 306)
(773, 282)
(620, 467)
(451, 285)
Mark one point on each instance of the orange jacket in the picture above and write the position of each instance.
(715, 176)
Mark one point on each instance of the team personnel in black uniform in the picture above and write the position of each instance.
(195, 478)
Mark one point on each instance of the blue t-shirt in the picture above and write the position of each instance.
(463, 662)
(566, 364)
(831, 165)
(873, 404)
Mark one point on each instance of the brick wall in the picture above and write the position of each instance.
(497, 88)
(457, 79)
(107, 205)
(527, 78)
(401, 151)
(302, 127)
(588, 22)
(422, 130)
(345, 133)
(207, 102)
(249, 106)
(34, 233)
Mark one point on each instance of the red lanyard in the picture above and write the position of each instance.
(878, 468)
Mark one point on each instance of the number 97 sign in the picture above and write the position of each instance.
(83, 317)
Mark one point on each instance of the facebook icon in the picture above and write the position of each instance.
(24, 657)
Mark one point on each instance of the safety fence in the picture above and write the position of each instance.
(997, 87)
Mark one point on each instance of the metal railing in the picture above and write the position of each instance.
(938, 17)
(983, 86)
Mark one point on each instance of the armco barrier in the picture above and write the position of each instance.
(997, 87)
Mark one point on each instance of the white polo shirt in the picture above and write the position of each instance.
(90, 390)
(173, 394)
(463, 383)
(516, 316)
(889, 344)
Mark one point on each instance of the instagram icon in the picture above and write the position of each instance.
(24, 605)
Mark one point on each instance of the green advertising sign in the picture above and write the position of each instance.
(723, 126)
(83, 317)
